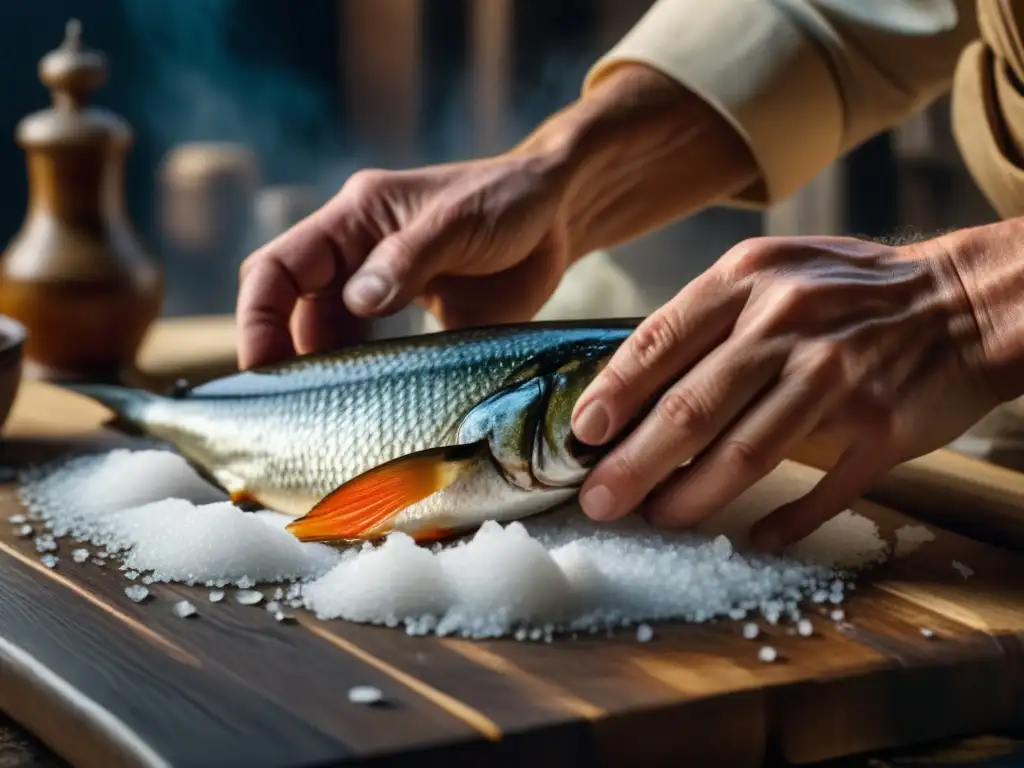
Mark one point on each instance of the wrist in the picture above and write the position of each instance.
(989, 264)
(635, 152)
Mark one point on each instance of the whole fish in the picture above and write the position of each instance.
(430, 435)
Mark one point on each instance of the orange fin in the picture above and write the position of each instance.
(363, 507)
(241, 497)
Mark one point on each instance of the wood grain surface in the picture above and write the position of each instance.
(233, 687)
(104, 681)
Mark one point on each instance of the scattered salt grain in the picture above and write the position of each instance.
(98, 562)
(136, 593)
(17, 519)
(183, 609)
(216, 595)
(365, 694)
(804, 628)
(926, 632)
(50, 561)
(751, 631)
(273, 606)
(544, 575)
(24, 531)
(644, 633)
(153, 506)
(767, 654)
(837, 615)
(80, 555)
(284, 618)
(249, 597)
(131, 575)
(147, 579)
(46, 543)
(909, 539)
(964, 570)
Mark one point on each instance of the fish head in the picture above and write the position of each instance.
(528, 426)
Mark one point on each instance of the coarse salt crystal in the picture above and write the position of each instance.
(17, 519)
(216, 595)
(50, 561)
(926, 632)
(751, 630)
(131, 575)
(249, 597)
(644, 633)
(80, 555)
(183, 609)
(273, 606)
(804, 628)
(281, 617)
(365, 694)
(909, 539)
(767, 654)
(837, 615)
(136, 593)
(24, 531)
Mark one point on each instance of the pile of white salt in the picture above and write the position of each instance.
(554, 572)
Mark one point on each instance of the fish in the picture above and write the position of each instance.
(429, 435)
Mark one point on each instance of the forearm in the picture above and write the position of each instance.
(637, 152)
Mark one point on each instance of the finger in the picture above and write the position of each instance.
(323, 323)
(301, 261)
(399, 268)
(853, 475)
(753, 448)
(660, 349)
(686, 419)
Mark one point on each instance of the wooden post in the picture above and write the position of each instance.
(382, 70)
(491, 36)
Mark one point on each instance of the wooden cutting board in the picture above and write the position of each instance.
(107, 682)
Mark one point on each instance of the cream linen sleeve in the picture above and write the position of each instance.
(803, 81)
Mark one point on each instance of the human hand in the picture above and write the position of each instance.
(487, 241)
(878, 346)
(477, 242)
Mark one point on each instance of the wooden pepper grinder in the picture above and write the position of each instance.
(75, 275)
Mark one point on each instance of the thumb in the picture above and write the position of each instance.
(397, 270)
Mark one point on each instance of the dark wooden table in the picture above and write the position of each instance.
(940, 481)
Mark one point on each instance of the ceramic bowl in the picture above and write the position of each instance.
(12, 346)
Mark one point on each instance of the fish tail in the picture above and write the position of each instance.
(128, 405)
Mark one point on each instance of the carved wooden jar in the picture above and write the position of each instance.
(75, 274)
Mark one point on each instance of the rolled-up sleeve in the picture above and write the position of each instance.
(802, 81)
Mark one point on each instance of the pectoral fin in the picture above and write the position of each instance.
(365, 506)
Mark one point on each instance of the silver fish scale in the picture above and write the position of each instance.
(308, 428)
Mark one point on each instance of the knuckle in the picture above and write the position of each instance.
(740, 458)
(680, 411)
(826, 359)
(365, 183)
(653, 340)
(750, 256)
(627, 471)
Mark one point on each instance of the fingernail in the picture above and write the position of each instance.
(598, 503)
(368, 291)
(592, 423)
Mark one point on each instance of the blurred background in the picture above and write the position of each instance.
(247, 114)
